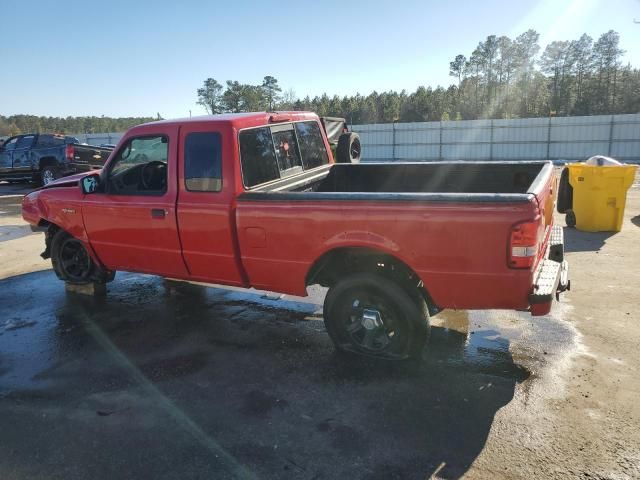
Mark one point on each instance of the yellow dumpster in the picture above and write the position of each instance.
(599, 195)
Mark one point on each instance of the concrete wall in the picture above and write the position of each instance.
(559, 138)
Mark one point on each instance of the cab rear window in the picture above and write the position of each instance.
(258, 157)
(314, 153)
(270, 153)
(50, 141)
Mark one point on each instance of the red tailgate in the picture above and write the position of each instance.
(545, 188)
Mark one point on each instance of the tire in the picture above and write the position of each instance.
(72, 263)
(48, 174)
(570, 219)
(565, 192)
(349, 148)
(371, 315)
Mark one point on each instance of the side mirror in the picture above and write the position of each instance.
(89, 184)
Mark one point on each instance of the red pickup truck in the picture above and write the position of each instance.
(256, 200)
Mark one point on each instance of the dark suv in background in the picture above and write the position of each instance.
(44, 157)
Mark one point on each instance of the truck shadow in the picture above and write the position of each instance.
(577, 241)
(224, 379)
(636, 220)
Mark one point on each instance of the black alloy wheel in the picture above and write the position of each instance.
(371, 315)
(75, 262)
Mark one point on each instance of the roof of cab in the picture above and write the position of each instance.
(243, 120)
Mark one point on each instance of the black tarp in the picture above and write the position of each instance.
(334, 127)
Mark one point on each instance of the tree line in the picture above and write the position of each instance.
(500, 78)
(16, 124)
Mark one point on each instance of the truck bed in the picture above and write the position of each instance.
(86, 157)
(450, 221)
(445, 181)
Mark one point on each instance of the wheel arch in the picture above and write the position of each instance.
(53, 228)
(48, 162)
(339, 262)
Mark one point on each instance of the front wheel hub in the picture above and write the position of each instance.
(367, 329)
(371, 319)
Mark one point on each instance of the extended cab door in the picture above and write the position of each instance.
(131, 222)
(6, 155)
(206, 203)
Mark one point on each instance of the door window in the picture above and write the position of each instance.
(258, 158)
(203, 162)
(10, 144)
(25, 142)
(140, 167)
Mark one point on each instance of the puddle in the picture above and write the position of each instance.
(488, 337)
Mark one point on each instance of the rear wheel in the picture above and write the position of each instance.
(371, 315)
(570, 218)
(72, 263)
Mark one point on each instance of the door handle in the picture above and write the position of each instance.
(158, 213)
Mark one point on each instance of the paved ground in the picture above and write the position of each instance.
(169, 380)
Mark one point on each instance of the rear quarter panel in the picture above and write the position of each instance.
(459, 250)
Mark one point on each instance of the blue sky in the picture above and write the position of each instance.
(118, 58)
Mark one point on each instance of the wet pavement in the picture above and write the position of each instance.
(20, 188)
(164, 379)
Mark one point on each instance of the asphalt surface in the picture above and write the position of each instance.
(170, 380)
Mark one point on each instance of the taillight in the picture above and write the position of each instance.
(524, 244)
(69, 152)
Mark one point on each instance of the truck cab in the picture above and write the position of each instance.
(180, 202)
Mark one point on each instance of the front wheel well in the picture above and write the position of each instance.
(52, 229)
(339, 263)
